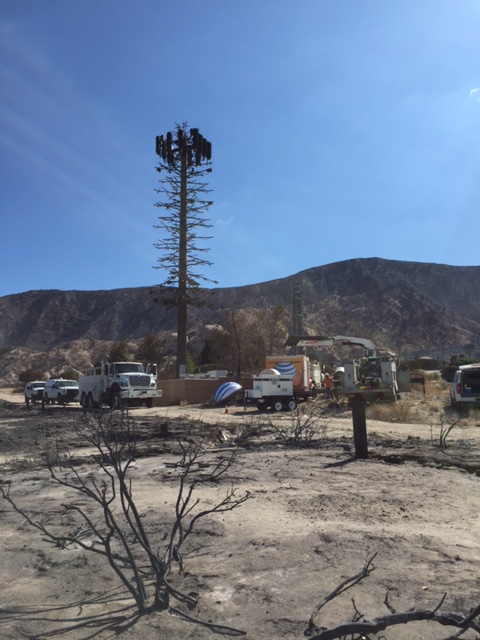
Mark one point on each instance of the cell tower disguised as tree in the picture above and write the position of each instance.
(184, 159)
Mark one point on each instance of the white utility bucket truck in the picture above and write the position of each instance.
(118, 384)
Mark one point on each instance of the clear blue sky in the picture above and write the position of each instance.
(340, 129)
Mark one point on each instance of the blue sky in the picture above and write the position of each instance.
(340, 129)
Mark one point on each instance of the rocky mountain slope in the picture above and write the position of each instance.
(409, 307)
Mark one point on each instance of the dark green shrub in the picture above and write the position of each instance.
(31, 374)
(448, 372)
(119, 352)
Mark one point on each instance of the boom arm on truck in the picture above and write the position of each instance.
(326, 341)
(374, 376)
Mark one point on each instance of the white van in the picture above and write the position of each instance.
(465, 387)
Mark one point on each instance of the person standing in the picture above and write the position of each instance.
(328, 384)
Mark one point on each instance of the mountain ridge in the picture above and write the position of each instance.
(406, 306)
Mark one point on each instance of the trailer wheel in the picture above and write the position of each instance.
(277, 406)
(291, 405)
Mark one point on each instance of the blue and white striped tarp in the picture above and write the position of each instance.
(226, 391)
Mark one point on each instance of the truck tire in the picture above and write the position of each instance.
(27, 402)
(149, 403)
(90, 402)
(115, 400)
(60, 399)
(277, 406)
(82, 401)
(291, 405)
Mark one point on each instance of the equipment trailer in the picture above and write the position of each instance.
(273, 391)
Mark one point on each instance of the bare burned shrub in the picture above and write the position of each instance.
(104, 519)
(446, 425)
(251, 430)
(359, 626)
(303, 427)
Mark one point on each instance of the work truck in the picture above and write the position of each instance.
(373, 376)
(118, 384)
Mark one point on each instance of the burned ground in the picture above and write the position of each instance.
(315, 516)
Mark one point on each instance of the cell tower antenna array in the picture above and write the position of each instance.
(183, 154)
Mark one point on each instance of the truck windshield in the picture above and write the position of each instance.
(129, 367)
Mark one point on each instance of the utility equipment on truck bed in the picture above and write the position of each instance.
(373, 376)
(118, 384)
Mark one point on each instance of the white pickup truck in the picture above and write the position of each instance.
(34, 391)
(60, 390)
(465, 387)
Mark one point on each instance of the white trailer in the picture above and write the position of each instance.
(273, 391)
(118, 384)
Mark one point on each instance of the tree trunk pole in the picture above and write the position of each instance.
(359, 427)
(182, 268)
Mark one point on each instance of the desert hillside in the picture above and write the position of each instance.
(412, 308)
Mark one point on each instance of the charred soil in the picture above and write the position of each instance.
(316, 515)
